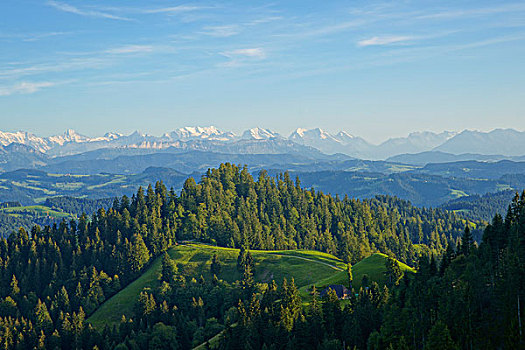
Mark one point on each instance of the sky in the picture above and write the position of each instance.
(373, 69)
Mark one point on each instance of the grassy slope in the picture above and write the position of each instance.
(373, 266)
(306, 267)
(35, 210)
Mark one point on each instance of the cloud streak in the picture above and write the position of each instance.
(30, 37)
(73, 64)
(221, 31)
(81, 61)
(315, 30)
(129, 49)
(240, 57)
(474, 12)
(257, 52)
(173, 9)
(121, 13)
(384, 40)
(25, 87)
(85, 12)
(400, 39)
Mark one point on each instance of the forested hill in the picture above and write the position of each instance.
(53, 276)
(229, 207)
(481, 207)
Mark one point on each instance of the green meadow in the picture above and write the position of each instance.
(306, 267)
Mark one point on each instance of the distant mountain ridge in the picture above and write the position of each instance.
(432, 157)
(508, 142)
(341, 142)
(504, 142)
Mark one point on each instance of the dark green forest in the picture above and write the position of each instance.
(465, 295)
(481, 207)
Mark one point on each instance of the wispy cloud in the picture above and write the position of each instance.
(28, 37)
(128, 49)
(315, 30)
(39, 36)
(228, 30)
(174, 9)
(122, 13)
(264, 20)
(240, 57)
(221, 31)
(25, 87)
(411, 54)
(72, 64)
(399, 55)
(400, 39)
(85, 12)
(449, 14)
(257, 52)
(384, 40)
(490, 41)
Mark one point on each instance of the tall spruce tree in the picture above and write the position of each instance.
(349, 275)
(467, 242)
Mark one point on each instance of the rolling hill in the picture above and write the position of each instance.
(307, 267)
(372, 266)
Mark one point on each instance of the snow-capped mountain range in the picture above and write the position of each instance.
(259, 134)
(508, 142)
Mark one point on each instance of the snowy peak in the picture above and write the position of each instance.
(112, 135)
(344, 137)
(306, 135)
(298, 133)
(200, 133)
(321, 135)
(259, 134)
(193, 132)
(24, 138)
(342, 142)
(68, 136)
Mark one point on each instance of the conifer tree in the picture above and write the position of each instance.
(439, 338)
(349, 274)
(447, 259)
(14, 286)
(139, 254)
(467, 242)
(215, 267)
(43, 320)
(393, 272)
(169, 269)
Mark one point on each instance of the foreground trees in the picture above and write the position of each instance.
(473, 301)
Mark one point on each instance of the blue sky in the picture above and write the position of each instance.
(374, 69)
